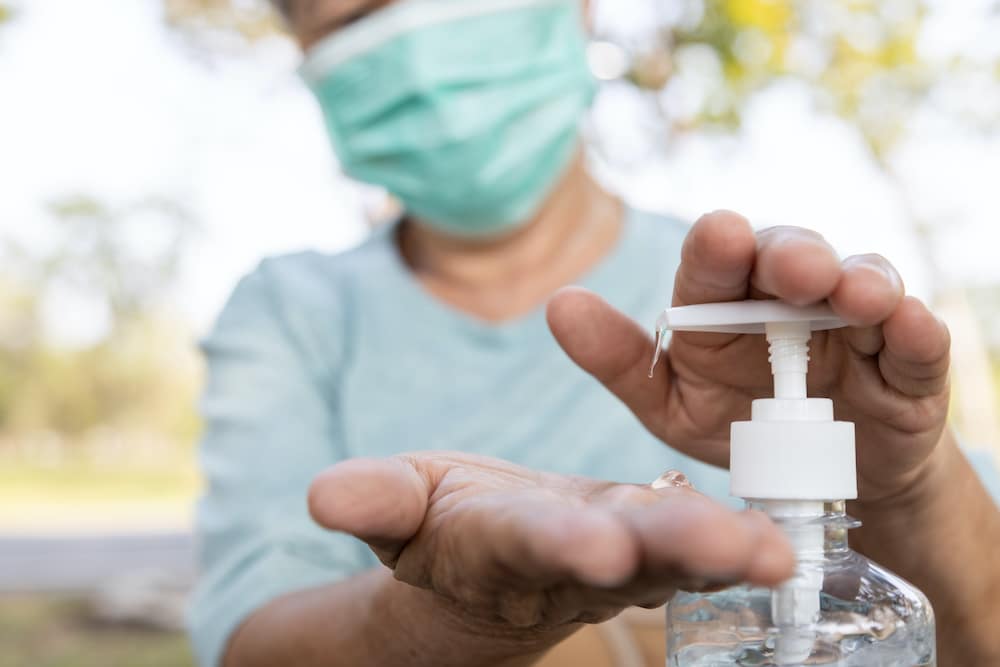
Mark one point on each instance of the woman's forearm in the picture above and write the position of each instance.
(944, 538)
(372, 619)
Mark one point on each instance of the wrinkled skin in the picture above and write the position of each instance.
(539, 551)
(887, 373)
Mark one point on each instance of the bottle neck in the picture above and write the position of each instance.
(815, 528)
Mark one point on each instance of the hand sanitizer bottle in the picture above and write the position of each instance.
(795, 463)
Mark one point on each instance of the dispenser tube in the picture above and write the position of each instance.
(789, 357)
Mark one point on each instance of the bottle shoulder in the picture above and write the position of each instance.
(865, 615)
(847, 576)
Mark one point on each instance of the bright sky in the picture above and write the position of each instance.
(98, 98)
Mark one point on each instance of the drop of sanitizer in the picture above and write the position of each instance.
(656, 351)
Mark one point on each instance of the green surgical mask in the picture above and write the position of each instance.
(466, 110)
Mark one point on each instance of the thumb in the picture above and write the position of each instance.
(613, 348)
(379, 501)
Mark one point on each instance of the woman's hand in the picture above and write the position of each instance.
(518, 550)
(888, 373)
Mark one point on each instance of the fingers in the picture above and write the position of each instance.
(773, 560)
(716, 260)
(789, 263)
(681, 530)
(868, 291)
(795, 265)
(916, 355)
(591, 544)
(379, 501)
(537, 538)
(701, 539)
(722, 258)
(680, 534)
(611, 347)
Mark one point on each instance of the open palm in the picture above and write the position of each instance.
(516, 548)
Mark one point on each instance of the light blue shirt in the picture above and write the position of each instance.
(318, 358)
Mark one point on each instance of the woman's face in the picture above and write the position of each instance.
(473, 159)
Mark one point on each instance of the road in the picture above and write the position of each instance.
(83, 563)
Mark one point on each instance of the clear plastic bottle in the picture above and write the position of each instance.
(794, 462)
(867, 616)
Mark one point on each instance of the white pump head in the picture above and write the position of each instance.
(791, 449)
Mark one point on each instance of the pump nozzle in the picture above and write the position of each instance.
(787, 328)
(791, 457)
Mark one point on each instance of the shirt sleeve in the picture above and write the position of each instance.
(270, 426)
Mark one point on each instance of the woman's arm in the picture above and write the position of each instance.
(372, 619)
(492, 563)
(943, 535)
(271, 423)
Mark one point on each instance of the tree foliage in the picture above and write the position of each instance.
(138, 374)
(859, 58)
(211, 27)
(127, 255)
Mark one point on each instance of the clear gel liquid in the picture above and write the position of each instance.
(868, 617)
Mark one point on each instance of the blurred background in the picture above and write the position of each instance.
(151, 151)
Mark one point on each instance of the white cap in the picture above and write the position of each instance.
(792, 449)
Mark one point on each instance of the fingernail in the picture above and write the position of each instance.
(878, 264)
(781, 234)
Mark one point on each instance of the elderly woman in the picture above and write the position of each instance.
(403, 466)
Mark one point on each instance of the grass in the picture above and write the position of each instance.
(81, 495)
(56, 631)
(84, 482)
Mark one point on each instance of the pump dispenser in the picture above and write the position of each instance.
(794, 462)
